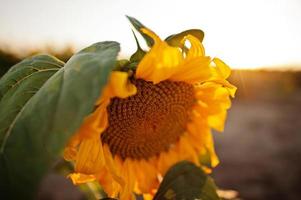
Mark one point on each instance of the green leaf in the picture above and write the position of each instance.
(186, 181)
(139, 54)
(138, 25)
(176, 39)
(17, 86)
(20, 83)
(51, 116)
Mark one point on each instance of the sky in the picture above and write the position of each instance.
(243, 33)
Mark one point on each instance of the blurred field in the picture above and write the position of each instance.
(8, 58)
(260, 150)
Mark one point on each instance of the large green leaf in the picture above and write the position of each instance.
(185, 181)
(51, 116)
(20, 83)
(17, 86)
(138, 25)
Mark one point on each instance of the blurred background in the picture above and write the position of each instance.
(260, 149)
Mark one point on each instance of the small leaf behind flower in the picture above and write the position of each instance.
(139, 54)
(185, 181)
(176, 39)
(138, 25)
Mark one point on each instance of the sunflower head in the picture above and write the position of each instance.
(157, 109)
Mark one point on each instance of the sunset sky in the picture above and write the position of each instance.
(246, 34)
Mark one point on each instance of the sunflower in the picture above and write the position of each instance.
(150, 118)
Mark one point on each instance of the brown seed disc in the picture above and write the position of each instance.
(149, 122)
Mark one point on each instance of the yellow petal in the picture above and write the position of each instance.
(193, 70)
(160, 62)
(90, 158)
(231, 88)
(79, 178)
(167, 159)
(208, 145)
(195, 136)
(218, 121)
(221, 72)
(110, 186)
(213, 102)
(201, 133)
(196, 49)
(120, 86)
(195, 67)
(112, 166)
(147, 196)
(127, 172)
(147, 178)
(210, 148)
(95, 123)
(70, 151)
(186, 150)
(222, 69)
